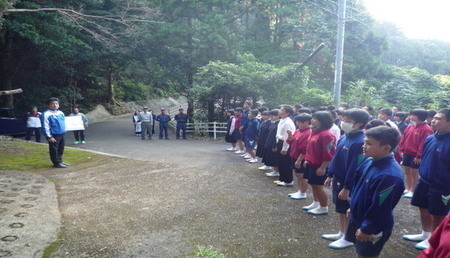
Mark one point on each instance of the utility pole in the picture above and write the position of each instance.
(339, 51)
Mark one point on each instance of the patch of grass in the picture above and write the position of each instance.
(51, 248)
(208, 252)
(20, 155)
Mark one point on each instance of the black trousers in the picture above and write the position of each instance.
(36, 131)
(79, 135)
(284, 164)
(56, 149)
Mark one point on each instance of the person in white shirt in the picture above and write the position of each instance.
(385, 115)
(284, 160)
(34, 124)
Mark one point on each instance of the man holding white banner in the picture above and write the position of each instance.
(79, 134)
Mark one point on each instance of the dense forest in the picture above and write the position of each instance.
(216, 52)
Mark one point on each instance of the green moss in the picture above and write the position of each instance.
(20, 155)
(208, 252)
(51, 248)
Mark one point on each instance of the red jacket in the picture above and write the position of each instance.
(237, 121)
(414, 138)
(299, 142)
(439, 241)
(321, 147)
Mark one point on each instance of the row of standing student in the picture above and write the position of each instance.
(360, 166)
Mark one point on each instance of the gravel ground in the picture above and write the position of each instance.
(175, 195)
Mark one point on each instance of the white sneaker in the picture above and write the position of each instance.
(341, 243)
(231, 149)
(319, 211)
(417, 237)
(311, 206)
(423, 245)
(409, 194)
(297, 196)
(254, 160)
(286, 184)
(265, 168)
(333, 237)
(239, 152)
(273, 173)
(404, 192)
(276, 182)
(246, 156)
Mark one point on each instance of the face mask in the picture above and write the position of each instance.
(347, 127)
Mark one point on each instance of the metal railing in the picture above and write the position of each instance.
(207, 127)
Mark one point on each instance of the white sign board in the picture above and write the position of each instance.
(74, 123)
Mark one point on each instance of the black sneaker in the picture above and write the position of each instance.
(65, 164)
(60, 165)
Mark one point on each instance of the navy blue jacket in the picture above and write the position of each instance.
(163, 118)
(271, 141)
(181, 118)
(252, 130)
(348, 152)
(244, 118)
(435, 167)
(376, 194)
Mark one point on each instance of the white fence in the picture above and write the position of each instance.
(207, 127)
(204, 128)
(198, 127)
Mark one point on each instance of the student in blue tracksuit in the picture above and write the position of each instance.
(251, 134)
(163, 120)
(181, 119)
(342, 169)
(54, 128)
(373, 198)
(244, 118)
(432, 193)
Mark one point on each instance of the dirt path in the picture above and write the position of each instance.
(180, 194)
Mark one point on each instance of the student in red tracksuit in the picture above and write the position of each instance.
(298, 143)
(320, 151)
(411, 146)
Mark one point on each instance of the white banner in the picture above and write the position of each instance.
(74, 123)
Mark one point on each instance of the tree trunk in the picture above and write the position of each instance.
(7, 67)
(210, 110)
(111, 98)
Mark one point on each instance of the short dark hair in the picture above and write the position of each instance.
(358, 115)
(374, 123)
(288, 109)
(304, 110)
(262, 109)
(431, 113)
(265, 113)
(238, 109)
(298, 106)
(333, 114)
(274, 112)
(325, 119)
(446, 112)
(385, 111)
(369, 108)
(401, 115)
(303, 118)
(51, 99)
(331, 107)
(254, 112)
(422, 114)
(346, 106)
(385, 135)
(231, 111)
